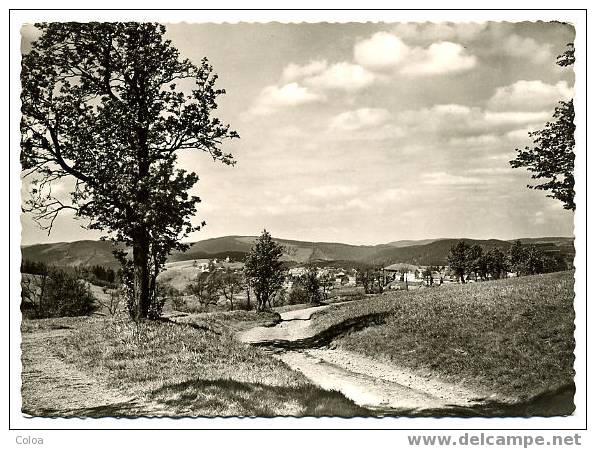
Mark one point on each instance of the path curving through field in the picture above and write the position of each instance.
(369, 383)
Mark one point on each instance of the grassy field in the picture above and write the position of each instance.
(512, 337)
(191, 371)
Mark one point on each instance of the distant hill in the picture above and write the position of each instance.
(434, 253)
(79, 253)
(421, 252)
(402, 243)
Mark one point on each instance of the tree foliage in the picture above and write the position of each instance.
(366, 278)
(458, 259)
(109, 106)
(496, 263)
(465, 260)
(53, 293)
(311, 284)
(230, 285)
(552, 158)
(264, 269)
(206, 287)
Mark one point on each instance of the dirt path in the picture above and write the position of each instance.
(51, 387)
(368, 382)
(295, 325)
(376, 385)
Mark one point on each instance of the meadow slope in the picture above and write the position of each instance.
(513, 337)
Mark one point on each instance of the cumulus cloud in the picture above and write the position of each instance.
(454, 120)
(441, 57)
(381, 51)
(374, 58)
(363, 118)
(293, 72)
(341, 76)
(292, 94)
(529, 96)
(503, 39)
(387, 51)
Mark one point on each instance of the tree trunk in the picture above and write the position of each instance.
(140, 254)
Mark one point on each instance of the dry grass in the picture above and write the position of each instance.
(513, 337)
(195, 372)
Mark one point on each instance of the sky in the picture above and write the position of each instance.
(367, 133)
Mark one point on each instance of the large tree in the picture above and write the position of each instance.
(264, 270)
(552, 157)
(110, 105)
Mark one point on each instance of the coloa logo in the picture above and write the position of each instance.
(27, 439)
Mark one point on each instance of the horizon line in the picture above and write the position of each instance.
(324, 241)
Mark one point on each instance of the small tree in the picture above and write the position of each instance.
(458, 260)
(326, 280)
(379, 277)
(427, 273)
(533, 261)
(365, 277)
(297, 295)
(247, 289)
(263, 269)
(231, 285)
(553, 157)
(496, 263)
(112, 300)
(311, 284)
(56, 293)
(516, 257)
(475, 261)
(206, 288)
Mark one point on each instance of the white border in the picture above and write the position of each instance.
(572, 422)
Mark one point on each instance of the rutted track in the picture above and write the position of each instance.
(370, 383)
(380, 386)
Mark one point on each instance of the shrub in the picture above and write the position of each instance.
(178, 303)
(55, 293)
(297, 296)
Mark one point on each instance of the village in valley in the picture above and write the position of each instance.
(348, 280)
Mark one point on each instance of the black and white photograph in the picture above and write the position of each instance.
(274, 219)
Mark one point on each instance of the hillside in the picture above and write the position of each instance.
(90, 252)
(79, 253)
